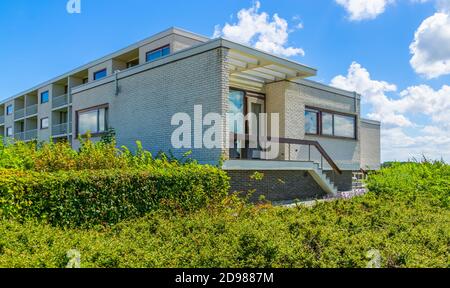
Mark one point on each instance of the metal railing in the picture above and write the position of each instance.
(298, 150)
(2, 119)
(19, 113)
(20, 136)
(31, 135)
(31, 110)
(61, 129)
(60, 101)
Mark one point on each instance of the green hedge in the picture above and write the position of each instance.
(102, 197)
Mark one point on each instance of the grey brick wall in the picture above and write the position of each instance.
(276, 185)
(148, 100)
(343, 182)
(370, 145)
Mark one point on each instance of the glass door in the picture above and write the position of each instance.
(256, 126)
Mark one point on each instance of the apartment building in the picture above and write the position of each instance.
(323, 139)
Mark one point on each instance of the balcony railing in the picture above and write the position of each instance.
(61, 129)
(295, 146)
(31, 110)
(19, 113)
(20, 136)
(60, 101)
(2, 119)
(31, 135)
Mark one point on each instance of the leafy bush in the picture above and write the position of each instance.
(407, 231)
(87, 198)
(53, 157)
(427, 180)
(235, 235)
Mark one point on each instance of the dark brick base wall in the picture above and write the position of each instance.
(343, 182)
(277, 185)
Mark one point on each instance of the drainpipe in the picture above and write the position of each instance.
(69, 96)
(116, 74)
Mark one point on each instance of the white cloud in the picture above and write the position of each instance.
(374, 92)
(261, 31)
(402, 139)
(431, 46)
(364, 9)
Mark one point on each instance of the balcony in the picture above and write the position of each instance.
(31, 135)
(20, 136)
(19, 114)
(61, 129)
(31, 110)
(2, 120)
(60, 101)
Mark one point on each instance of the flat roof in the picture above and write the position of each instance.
(371, 122)
(331, 89)
(162, 34)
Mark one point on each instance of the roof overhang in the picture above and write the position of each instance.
(251, 68)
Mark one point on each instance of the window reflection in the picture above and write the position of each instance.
(236, 111)
(344, 126)
(311, 120)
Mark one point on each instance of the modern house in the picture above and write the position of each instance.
(323, 139)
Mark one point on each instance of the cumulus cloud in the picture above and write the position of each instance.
(258, 29)
(364, 9)
(431, 47)
(399, 143)
(358, 79)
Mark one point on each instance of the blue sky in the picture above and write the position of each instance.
(40, 40)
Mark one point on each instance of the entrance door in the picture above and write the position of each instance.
(256, 126)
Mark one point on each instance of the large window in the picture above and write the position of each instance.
(319, 122)
(44, 97)
(236, 111)
(158, 53)
(344, 126)
(92, 120)
(311, 122)
(9, 109)
(100, 74)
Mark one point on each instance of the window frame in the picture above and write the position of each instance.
(322, 111)
(90, 109)
(156, 50)
(48, 123)
(8, 113)
(100, 71)
(48, 97)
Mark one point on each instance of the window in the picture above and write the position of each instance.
(158, 53)
(44, 97)
(85, 80)
(44, 123)
(327, 124)
(93, 121)
(236, 110)
(9, 132)
(9, 109)
(311, 122)
(330, 124)
(344, 126)
(100, 74)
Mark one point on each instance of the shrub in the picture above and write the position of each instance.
(88, 198)
(429, 181)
